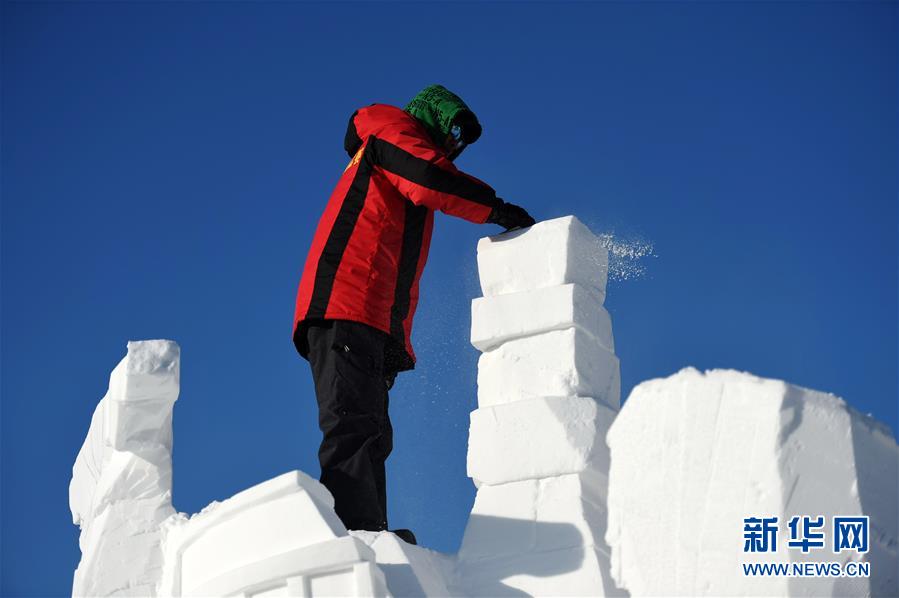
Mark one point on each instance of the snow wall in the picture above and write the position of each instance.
(572, 498)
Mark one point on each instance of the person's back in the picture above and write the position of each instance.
(359, 289)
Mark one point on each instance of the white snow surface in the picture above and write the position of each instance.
(537, 438)
(573, 498)
(695, 453)
(121, 486)
(558, 363)
(495, 320)
(280, 537)
(550, 253)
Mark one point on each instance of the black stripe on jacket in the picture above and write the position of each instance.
(413, 235)
(427, 174)
(332, 254)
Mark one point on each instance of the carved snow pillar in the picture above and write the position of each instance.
(121, 488)
(548, 390)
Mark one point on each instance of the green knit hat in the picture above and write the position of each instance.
(439, 109)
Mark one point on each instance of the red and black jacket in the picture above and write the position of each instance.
(372, 241)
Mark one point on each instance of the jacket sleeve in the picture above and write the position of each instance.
(423, 174)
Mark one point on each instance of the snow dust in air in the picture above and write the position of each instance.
(626, 255)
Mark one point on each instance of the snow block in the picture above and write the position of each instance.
(537, 438)
(121, 484)
(695, 454)
(557, 363)
(550, 253)
(495, 320)
(281, 536)
(410, 571)
(578, 571)
(537, 516)
(340, 567)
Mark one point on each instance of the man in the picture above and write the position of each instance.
(359, 288)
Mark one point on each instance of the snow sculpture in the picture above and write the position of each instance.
(121, 486)
(548, 389)
(667, 485)
(411, 571)
(694, 454)
(280, 537)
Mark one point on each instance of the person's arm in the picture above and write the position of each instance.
(424, 175)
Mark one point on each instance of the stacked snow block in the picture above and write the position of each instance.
(121, 487)
(548, 390)
(278, 538)
(694, 455)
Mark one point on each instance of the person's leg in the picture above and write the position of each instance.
(384, 447)
(347, 365)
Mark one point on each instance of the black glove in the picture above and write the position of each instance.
(510, 216)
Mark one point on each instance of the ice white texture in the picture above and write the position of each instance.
(410, 570)
(278, 538)
(537, 438)
(550, 253)
(544, 537)
(121, 487)
(548, 389)
(536, 515)
(694, 454)
(495, 320)
(557, 513)
(557, 363)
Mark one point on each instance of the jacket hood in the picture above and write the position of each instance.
(438, 109)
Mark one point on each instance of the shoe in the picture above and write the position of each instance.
(405, 535)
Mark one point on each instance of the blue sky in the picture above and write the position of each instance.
(164, 166)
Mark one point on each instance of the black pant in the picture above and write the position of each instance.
(351, 383)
